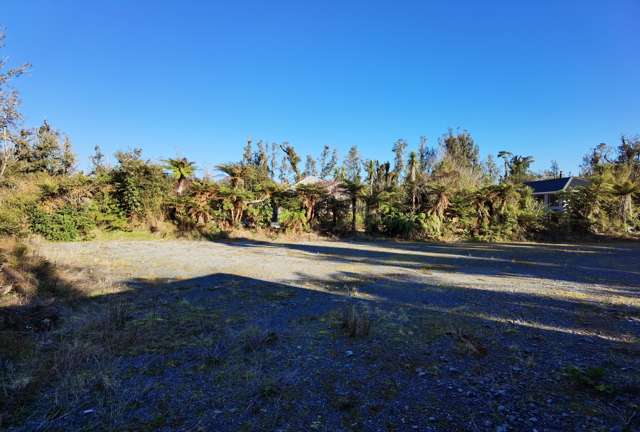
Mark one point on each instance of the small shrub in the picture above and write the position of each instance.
(399, 224)
(293, 220)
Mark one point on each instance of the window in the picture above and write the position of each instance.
(554, 201)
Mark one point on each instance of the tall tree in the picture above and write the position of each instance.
(261, 159)
(97, 160)
(324, 159)
(274, 159)
(506, 157)
(67, 158)
(399, 148)
(284, 170)
(329, 166)
(9, 104)
(461, 148)
(412, 180)
(596, 159)
(427, 156)
(182, 170)
(491, 170)
(554, 170)
(247, 153)
(629, 150)
(46, 154)
(293, 158)
(519, 168)
(354, 189)
(352, 164)
(310, 166)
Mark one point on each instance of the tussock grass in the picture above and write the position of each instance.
(254, 339)
(355, 322)
(35, 348)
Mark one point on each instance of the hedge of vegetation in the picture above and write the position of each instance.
(437, 194)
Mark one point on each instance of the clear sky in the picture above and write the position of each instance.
(196, 78)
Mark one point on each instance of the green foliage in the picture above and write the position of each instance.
(396, 223)
(427, 194)
(65, 224)
(107, 214)
(139, 186)
(11, 222)
(293, 220)
(608, 204)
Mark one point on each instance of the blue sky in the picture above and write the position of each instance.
(196, 78)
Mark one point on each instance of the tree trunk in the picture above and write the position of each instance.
(354, 203)
(5, 153)
(274, 210)
(335, 215)
(180, 186)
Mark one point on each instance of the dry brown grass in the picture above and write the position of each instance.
(28, 279)
(34, 347)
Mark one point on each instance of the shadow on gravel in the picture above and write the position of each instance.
(591, 319)
(610, 266)
(225, 352)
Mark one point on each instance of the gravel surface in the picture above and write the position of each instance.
(249, 335)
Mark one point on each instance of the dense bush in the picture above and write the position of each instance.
(65, 224)
(139, 187)
(442, 198)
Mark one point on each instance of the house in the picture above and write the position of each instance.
(548, 191)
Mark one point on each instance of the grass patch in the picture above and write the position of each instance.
(278, 295)
(592, 379)
(429, 268)
(468, 343)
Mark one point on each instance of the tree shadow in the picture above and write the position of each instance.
(414, 323)
(611, 266)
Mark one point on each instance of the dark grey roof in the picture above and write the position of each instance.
(556, 185)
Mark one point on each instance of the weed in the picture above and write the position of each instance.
(590, 378)
(117, 316)
(254, 339)
(355, 322)
(215, 355)
(468, 343)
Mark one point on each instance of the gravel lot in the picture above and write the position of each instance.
(468, 336)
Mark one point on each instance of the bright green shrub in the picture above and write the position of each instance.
(65, 224)
(293, 220)
(396, 223)
(139, 186)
